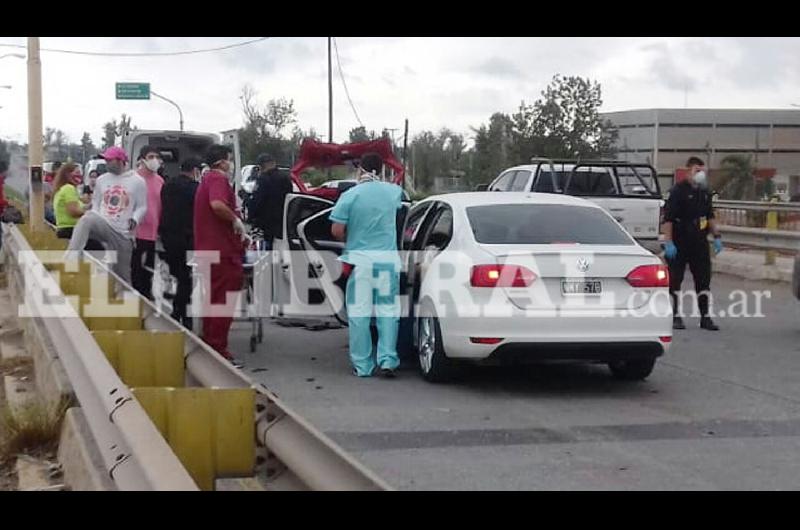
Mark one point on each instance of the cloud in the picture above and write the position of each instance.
(498, 67)
(668, 71)
(435, 82)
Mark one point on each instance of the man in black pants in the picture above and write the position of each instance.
(176, 231)
(688, 218)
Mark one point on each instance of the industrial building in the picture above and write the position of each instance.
(666, 138)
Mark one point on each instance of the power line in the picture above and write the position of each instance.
(142, 54)
(341, 74)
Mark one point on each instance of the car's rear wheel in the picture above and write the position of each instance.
(433, 363)
(632, 370)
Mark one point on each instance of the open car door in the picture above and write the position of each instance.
(295, 289)
(323, 251)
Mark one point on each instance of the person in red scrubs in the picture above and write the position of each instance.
(218, 227)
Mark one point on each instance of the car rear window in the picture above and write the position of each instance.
(538, 224)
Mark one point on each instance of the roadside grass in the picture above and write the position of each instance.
(32, 429)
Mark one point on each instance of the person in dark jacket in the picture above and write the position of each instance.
(688, 220)
(266, 204)
(176, 230)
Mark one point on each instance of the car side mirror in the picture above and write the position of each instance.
(481, 187)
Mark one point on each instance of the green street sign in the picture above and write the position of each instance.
(133, 90)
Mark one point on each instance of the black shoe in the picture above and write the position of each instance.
(677, 323)
(707, 323)
(388, 373)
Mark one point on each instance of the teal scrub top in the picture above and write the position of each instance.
(370, 212)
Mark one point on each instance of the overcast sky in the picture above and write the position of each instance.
(434, 82)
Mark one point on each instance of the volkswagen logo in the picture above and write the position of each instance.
(583, 264)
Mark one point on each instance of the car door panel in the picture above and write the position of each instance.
(290, 262)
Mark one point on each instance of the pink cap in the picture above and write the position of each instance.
(115, 153)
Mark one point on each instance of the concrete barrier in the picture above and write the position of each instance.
(79, 456)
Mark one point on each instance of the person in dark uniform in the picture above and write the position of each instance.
(176, 230)
(266, 205)
(688, 218)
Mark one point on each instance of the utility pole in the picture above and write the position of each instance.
(330, 94)
(391, 131)
(405, 148)
(35, 155)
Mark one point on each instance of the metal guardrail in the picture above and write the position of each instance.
(760, 225)
(298, 456)
(761, 238)
(133, 451)
(758, 206)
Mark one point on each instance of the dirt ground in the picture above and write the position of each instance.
(8, 479)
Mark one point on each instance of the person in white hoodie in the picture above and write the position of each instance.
(119, 203)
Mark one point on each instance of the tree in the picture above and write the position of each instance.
(263, 129)
(113, 130)
(360, 134)
(436, 155)
(493, 149)
(55, 144)
(736, 179)
(109, 134)
(5, 153)
(564, 123)
(88, 149)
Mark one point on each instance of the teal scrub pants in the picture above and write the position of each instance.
(373, 290)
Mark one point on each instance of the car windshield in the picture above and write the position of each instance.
(542, 224)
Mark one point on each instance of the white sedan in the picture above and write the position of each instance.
(499, 276)
(531, 276)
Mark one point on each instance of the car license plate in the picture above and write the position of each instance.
(581, 287)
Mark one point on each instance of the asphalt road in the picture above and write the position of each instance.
(720, 411)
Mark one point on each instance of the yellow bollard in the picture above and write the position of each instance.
(772, 224)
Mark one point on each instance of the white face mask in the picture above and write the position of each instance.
(700, 179)
(366, 176)
(152, 164)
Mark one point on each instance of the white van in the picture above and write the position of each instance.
(95, 164)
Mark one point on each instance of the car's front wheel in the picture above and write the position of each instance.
(433, 363)
(632, 370)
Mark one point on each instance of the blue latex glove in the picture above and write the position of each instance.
(670, 250)
(717, 245)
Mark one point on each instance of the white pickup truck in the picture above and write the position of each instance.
(629, 192)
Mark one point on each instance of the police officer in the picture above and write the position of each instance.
(688, 218)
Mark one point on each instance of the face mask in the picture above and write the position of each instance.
(114, 168)
(366, 176)
(700, 179)
(152, 164)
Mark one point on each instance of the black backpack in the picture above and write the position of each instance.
(11, 214)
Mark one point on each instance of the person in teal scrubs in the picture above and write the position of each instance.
(365, 216)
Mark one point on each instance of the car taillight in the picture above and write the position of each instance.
(485, 340)
(501, 276)
(649, 276)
